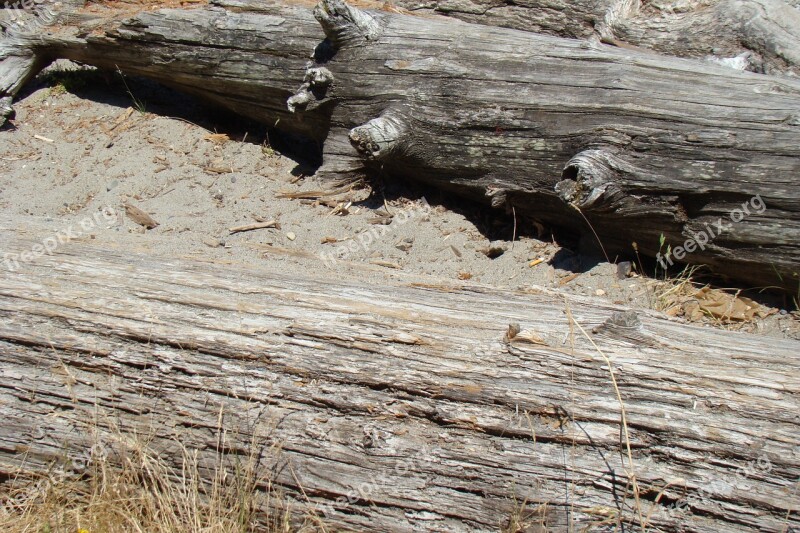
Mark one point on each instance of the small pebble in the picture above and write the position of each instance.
(405, 244)
(291, 236)
(600, 292)
(623, 269)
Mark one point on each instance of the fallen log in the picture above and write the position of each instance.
(638, 150)
(405, 406)
(754, 35)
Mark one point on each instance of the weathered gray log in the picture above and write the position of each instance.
(756, 35)
(634, 145)
(642, 145)
(422, 396)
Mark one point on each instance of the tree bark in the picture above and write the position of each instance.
(450, 407)
(620, 144)
(754, 35)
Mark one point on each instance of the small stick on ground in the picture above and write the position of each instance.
(257, 225)
(139, 216)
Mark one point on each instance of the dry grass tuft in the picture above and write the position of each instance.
(526, 520)
(138, 490)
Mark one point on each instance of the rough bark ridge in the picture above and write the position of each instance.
(755, 35)
(638, 145)
(421, 402)
(642, 146)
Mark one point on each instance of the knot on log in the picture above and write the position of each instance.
(315, 82)
(342, 22)
(588, 180)
(378, 138)
(498, 196)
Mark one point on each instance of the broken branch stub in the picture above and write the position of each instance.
(379, 137)
(342, 22)
(315, 84)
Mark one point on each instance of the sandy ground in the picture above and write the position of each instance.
(82, 143)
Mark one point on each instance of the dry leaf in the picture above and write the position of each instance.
(217, 138)
(724, 306)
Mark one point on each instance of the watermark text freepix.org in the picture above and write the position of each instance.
(13, 261)
(699, 240)
(364, 240)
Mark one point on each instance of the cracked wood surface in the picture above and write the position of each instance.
(644, 146)
(765, 34)
(410, 395)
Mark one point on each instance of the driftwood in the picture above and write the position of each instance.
(628, 146)
(755, 35)
(398, 407)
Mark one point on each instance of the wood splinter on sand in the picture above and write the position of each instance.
(139, 216)
(254, 226)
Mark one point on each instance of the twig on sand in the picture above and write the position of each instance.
(254, 226)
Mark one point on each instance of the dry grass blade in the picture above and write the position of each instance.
(631, 473)
(310, 195)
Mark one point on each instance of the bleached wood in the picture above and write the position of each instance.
(407, 391)
(764, 33)
(644, 146)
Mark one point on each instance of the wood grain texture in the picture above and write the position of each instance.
(629, 145)
(765, 33)
(641, 145)
(408, 399)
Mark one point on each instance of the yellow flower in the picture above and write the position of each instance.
(83, 530)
